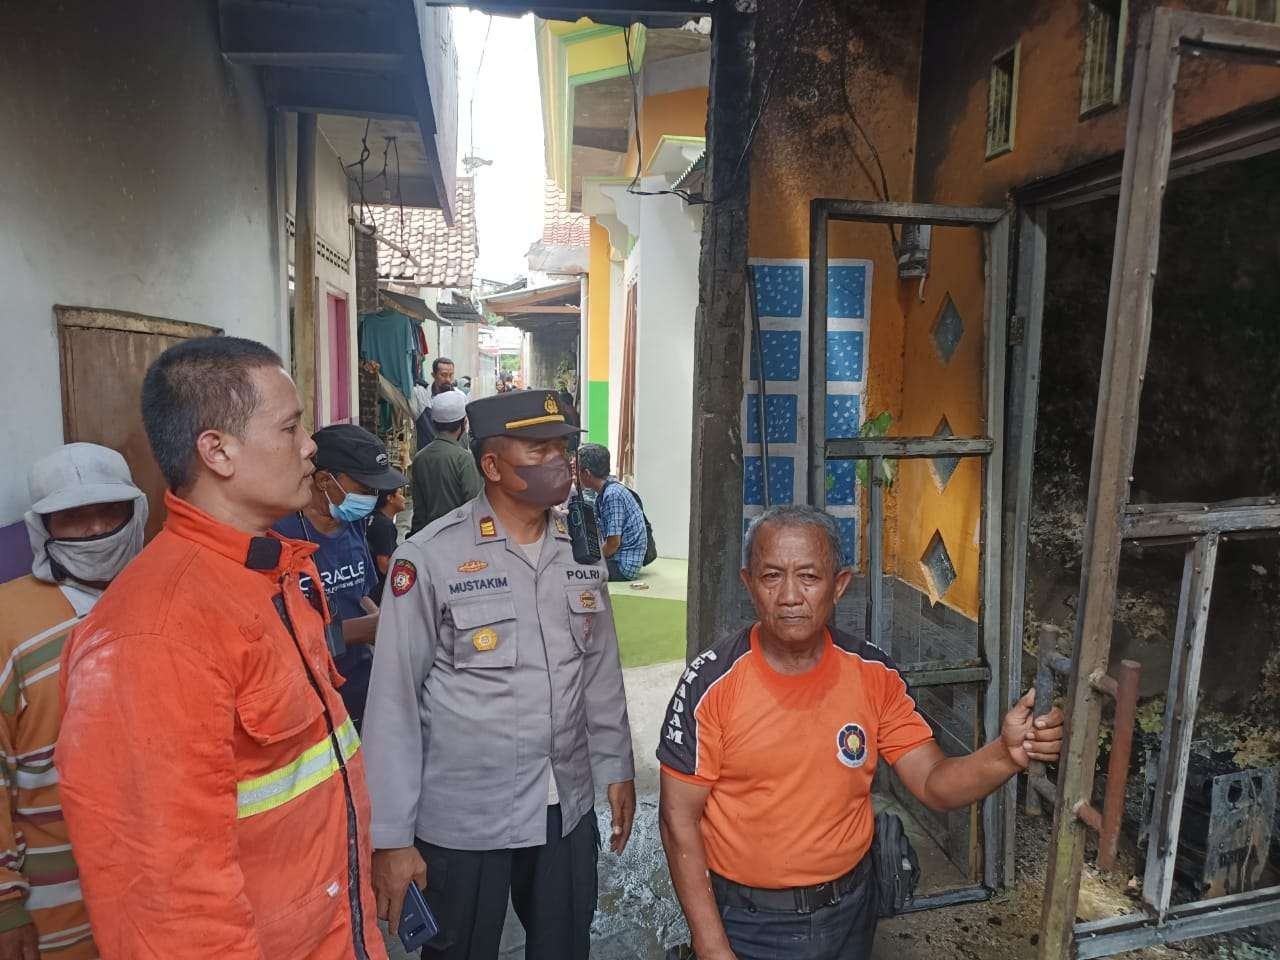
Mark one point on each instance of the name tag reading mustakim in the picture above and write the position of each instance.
(458, 588)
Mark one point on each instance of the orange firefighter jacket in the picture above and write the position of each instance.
(212, 781)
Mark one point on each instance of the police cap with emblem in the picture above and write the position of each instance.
(529, 414)
(353, 450)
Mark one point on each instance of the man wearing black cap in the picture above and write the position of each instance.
(352, 468)
(497, 706)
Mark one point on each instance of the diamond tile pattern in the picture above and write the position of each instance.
(447, 254)
(943, 467)
(938, 566)
(948, 330)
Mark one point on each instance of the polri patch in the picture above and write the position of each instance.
(487, 527)
(472, 566)
(851, 745)
(485, 639)
(403, 576)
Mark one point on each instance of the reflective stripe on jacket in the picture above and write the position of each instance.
(212, 781)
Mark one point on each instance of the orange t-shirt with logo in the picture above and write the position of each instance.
(789, 759)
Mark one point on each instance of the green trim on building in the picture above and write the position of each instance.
(598, 412)
(588, 33)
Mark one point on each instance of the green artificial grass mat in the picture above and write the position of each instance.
(650, 629)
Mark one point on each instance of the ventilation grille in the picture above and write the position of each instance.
(1002, 103)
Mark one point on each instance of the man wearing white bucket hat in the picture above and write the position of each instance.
(86, 523)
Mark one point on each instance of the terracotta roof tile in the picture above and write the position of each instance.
(559, 226)
(447, 254)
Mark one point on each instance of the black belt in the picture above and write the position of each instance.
(791, 899)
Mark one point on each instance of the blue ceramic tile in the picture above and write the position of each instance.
(843, 418)
(782, 480)
(841, 476)
(849, 538)
(779, 290)
(781, 355)
(780, 412)
(847, 292)
(844, 355)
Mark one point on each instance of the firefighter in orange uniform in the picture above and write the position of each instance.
(212, 780)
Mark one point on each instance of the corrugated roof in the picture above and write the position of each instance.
(446, 255)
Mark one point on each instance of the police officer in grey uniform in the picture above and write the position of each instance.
(496, 706)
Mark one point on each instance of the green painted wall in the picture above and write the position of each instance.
(598, 411)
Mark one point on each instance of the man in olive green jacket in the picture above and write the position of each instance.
(444, 473)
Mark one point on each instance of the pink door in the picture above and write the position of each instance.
(339, 361)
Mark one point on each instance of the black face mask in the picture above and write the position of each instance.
(547, 484)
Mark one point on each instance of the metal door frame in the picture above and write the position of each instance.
(1164, 37)
(1000, 666)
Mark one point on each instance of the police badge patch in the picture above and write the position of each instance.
(403, 576)
(851, 745)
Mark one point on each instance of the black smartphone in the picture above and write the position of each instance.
(417, 924)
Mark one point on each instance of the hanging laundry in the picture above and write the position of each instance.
(390, 339)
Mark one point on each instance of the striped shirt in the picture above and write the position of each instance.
(39, 882)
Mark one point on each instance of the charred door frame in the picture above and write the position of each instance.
(1000, 667)
(1165, 35)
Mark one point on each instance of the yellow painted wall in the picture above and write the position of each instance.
(679, 114)
(598, 305)
(932, 389)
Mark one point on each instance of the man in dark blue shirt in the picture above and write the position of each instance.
(352, 468)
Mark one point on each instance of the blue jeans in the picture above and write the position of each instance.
(841, 931)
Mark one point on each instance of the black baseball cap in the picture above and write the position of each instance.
(353, 450)
(530, 414)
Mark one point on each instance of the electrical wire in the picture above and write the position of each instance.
(471, 106)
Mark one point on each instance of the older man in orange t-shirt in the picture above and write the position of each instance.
(769, 748)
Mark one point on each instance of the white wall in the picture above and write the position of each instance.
(137, 177)
(668, 272)
(333, 210)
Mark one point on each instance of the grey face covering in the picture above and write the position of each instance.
(87, 559)
(100, 558)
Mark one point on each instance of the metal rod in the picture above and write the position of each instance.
(761, 404)
(875, 554)
(908, 448)
(948, 898)
(1179, 719)
(872, 211)
(1130, 675)
(817, 338)
(1048, 650)
(1088, 815)
(1104, 938)
(944, 673)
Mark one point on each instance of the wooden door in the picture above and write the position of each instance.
(339, 361)
(103, 355)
